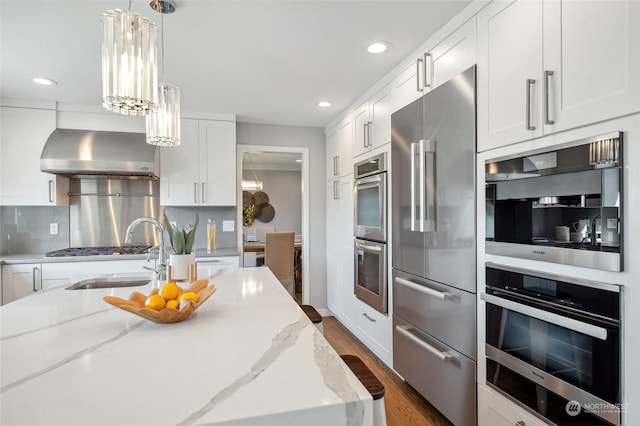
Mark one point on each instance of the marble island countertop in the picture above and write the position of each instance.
(248, 356)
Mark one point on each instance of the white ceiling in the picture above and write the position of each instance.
(266, 61)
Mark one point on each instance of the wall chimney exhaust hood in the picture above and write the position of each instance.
(86, 153)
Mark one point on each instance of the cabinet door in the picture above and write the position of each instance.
(345, 148)
(19, 281)
(332, 216)
(404, 88)
(494, 410)
(23, 132)
(217, 160)
(361, 124)
(509, 72)
(454, 54)
(332, 154)
(179, 179)
(593, 50)
(380, 108)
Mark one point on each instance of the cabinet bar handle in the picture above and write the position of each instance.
(443, 356)
(364, 314)
(51, 191)
(365, 142)
(336, 190)
(204, 198)
(418, 86)
(33, 278)
(428, 77)
(530, 82)
(335, 165)
(547, 76)
(520, 423)
(195, 192)
(369, 125)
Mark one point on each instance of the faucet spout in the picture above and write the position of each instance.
(161, 269)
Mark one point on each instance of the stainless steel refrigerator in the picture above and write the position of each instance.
(434, 246)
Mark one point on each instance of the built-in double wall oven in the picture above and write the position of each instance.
(562, 205)
(553, 344)
(370, 231)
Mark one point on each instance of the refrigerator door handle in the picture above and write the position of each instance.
(442, 356)
(428, 191)
(443, 295)
(414, 153)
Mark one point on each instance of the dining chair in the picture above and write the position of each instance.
(260, 234)
(279, 257)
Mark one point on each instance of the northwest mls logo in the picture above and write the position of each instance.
(573, 408)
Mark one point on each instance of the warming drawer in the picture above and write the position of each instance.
(445, 377)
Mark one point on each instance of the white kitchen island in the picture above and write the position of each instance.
(248, 356)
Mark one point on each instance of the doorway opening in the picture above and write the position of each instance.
(272, 195)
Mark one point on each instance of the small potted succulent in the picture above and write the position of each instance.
(182, 243)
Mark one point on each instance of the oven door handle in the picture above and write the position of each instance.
(367, 247)
(443, 295)
(369, 182)
(550, 317)
(443, 356)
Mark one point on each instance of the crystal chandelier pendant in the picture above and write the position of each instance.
(163, 126)
(129, 68)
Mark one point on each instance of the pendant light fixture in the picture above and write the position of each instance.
(163, 125)
(129, 69)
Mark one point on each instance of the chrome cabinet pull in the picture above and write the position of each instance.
(428, 77)
(547, 76)
(364, 314)
(520, 423)
(418, 86)
(365, 142)
(195, 192)
(33, 278)
(442, 295)
(51, 191)
(335, 165)
(369, 126)
(336, 190)
(204, 200)
(550, 317)
(443, 356)
(530, 83)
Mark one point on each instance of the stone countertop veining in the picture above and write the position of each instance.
(248, 356)
(41, 258)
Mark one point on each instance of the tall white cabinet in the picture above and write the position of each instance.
(548, 66)
(201, 171)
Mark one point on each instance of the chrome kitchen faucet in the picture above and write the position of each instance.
(161, 268)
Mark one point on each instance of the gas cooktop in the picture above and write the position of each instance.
(96, 251)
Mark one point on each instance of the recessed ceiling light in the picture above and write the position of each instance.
(324, 104)
(378, 46)
(298, 161)
(44, 81)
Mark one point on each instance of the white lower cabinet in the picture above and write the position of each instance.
(496, 410)
(221, 262)
(20, 280)
(374, 329)
(63, 273)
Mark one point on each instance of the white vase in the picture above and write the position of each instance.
(180, 265)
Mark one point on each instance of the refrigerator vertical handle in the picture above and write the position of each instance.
(413, 186)
(422, 178)
(428, 203)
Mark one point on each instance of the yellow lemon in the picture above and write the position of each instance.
(155, 302)
(173, 304)
(189, 295)
(169, 291)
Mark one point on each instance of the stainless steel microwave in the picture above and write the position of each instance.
(562, 205)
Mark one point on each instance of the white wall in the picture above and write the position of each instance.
(313, 139)
(284, 189)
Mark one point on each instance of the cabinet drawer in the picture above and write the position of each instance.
(447, 313)
(374, 325)
(449, 384)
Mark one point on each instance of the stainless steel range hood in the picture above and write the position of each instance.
(86, 153)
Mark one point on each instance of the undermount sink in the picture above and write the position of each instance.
(109, 282)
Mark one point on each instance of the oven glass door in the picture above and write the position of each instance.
(371, 273)
(584, 354)
(370, 207)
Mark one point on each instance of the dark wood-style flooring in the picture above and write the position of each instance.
(404, 406)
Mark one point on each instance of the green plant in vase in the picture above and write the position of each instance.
(181, 239)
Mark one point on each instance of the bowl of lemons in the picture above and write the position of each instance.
(170, 303)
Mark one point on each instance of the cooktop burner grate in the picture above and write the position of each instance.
(96, 251)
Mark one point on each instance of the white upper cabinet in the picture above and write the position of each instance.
(454, 54)
(201, 171)
(331, 147)
(23, 133)
(372, 123)
(549, 66)
(345, 148)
